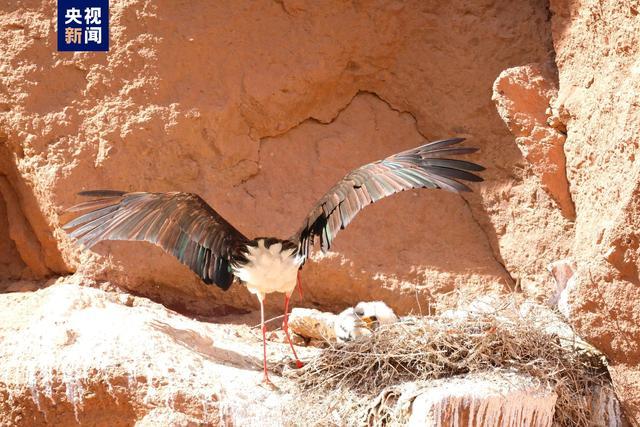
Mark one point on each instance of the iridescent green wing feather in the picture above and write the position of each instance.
(422, 167)
(182, 224)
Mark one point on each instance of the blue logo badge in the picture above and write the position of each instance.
(83, 25)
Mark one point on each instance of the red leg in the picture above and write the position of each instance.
(285, 327)
(265, 380)
(299, 285)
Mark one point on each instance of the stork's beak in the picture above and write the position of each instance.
(369, 321)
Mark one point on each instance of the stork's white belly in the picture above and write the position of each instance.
(269, 269)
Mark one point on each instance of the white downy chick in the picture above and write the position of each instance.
(376, 313)
(362, 319)
(349, 326)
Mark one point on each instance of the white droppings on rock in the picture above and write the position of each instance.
(564, 305)
(562, 272)
(504, 399)
(605, 408)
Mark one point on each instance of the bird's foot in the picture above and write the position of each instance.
(299, 364)
(266, 383)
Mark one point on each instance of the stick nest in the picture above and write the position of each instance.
(342, 382)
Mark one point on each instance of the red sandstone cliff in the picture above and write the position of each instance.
(260, 107)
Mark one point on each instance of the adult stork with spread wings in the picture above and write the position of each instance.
(185, 226)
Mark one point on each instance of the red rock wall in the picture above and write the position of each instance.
(599, 94)
(260, 108)
(598, 57)
(11, 265)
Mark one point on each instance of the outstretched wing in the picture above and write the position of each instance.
(422, 167)
(182, 224)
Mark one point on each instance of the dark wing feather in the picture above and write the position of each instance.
(182, 224)
(421, 167)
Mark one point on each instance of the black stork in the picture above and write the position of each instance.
(185, 226)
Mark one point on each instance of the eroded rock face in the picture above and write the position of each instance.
(12, 265)
(597, 60)
(76, 355)
(474, 400)
(31, 240)
(523, 97)
(79, 355)
(259, 109)
(598, 95)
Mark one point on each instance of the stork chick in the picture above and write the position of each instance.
(362, 320)
(185, 226)
(376, 313)
(349, 326)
